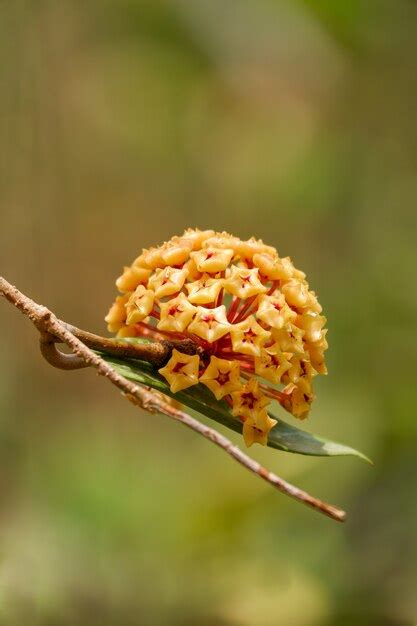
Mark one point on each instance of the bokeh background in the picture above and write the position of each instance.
(123, 122)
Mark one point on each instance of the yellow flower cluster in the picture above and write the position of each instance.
(259, 326)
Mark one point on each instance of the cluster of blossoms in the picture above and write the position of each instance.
(259, 326)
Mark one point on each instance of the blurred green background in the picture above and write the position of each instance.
(123, 122)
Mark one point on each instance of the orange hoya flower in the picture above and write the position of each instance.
(272, 364)
(116, 316)
(250, 400)
(176, 314)
(222, 377)
(204, 290)
(210, 324)
(243, 283)
(212, 259)
(139, 305)
(132, 277)
(256, 429)
(259, 326)
(181, 371)
(275, 311)
(248, 337)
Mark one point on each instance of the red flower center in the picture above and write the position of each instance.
(208, 319)
(248, 399)
(249, 336)
(223, 378)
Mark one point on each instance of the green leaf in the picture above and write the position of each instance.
(282, 437)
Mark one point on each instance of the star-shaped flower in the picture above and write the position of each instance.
(272, 364)
(272, 267)
(152, 257)
(139, 305)
(274, 310)
(249, 400)
(296, 293)
(299, 368)
(132, 277)
(248, 337)
(243, 283)
(181, 371)
(167, 281)
(290, 338)
(204, 290)
(196, 237)
(256, 429)
(298, 398)
(312, 324)
(116, 316)
(212, 260)
(313, 304)
(210, 324)
(221, 377)
(316, 352)
(246, 249)
(176, 251)
(176, 314)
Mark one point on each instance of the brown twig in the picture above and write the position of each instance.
(156, 353)
(52, 329)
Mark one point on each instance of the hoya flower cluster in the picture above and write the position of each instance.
(259, 326)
